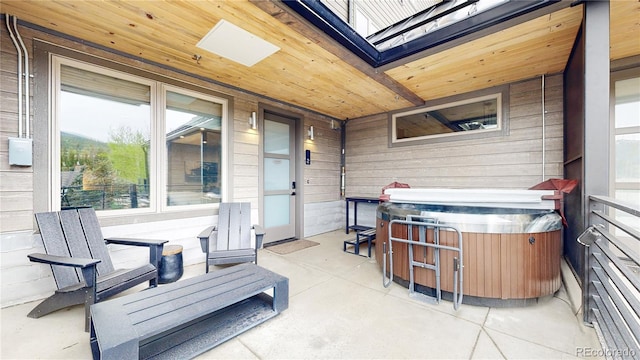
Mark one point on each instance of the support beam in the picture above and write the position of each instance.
(597, 126)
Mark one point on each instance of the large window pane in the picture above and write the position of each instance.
(627, 103)
(194, 149)
(627, 158)
(104, 141)
(627, 139)
(626, 186)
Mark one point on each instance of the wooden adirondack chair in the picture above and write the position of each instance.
(80, 262)
(229, 242)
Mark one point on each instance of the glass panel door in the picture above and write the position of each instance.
(279, 181)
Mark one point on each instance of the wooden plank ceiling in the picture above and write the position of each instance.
(310, 70)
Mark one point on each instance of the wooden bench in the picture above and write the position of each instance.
(361, 236)
(186, 318)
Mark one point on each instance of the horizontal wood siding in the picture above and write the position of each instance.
(322, 176)
(513, 161)
(16, 182)
(245, 158)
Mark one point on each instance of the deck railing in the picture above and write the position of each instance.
(611, 281)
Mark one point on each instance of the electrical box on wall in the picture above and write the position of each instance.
(20, 151)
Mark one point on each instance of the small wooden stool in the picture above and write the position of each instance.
(171, 268)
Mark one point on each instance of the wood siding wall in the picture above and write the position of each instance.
(513, 161)
(16, 182)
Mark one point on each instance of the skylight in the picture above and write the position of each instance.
(436, 22)
(428, 21)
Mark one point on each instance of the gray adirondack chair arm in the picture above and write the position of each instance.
(204, 238)
(204, 234)
(62, 260)
(86, 265)
(155, 247)
(135, 242)
(259, 230)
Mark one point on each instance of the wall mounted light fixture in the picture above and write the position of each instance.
(253, 122)
(311, 132)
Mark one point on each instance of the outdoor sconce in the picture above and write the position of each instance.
(311, 132)
(253, 122)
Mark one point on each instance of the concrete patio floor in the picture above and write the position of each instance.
(338, 309)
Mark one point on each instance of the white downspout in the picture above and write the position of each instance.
(21, 147)
(19, 51)
(27, 110)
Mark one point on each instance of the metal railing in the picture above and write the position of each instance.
(103, 197)
(611, 280)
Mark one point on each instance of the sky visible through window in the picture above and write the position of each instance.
(97, 118)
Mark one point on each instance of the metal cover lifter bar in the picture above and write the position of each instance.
(422, 237)
(423, 226)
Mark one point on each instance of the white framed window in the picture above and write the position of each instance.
(123, 143)
(478, 114)
(624, 181)
(625, 142)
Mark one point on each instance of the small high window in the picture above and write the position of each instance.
(440, 120)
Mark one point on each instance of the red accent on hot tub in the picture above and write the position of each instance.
(395, 184)
(560, 187)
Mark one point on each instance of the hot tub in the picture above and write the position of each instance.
(511, 240)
